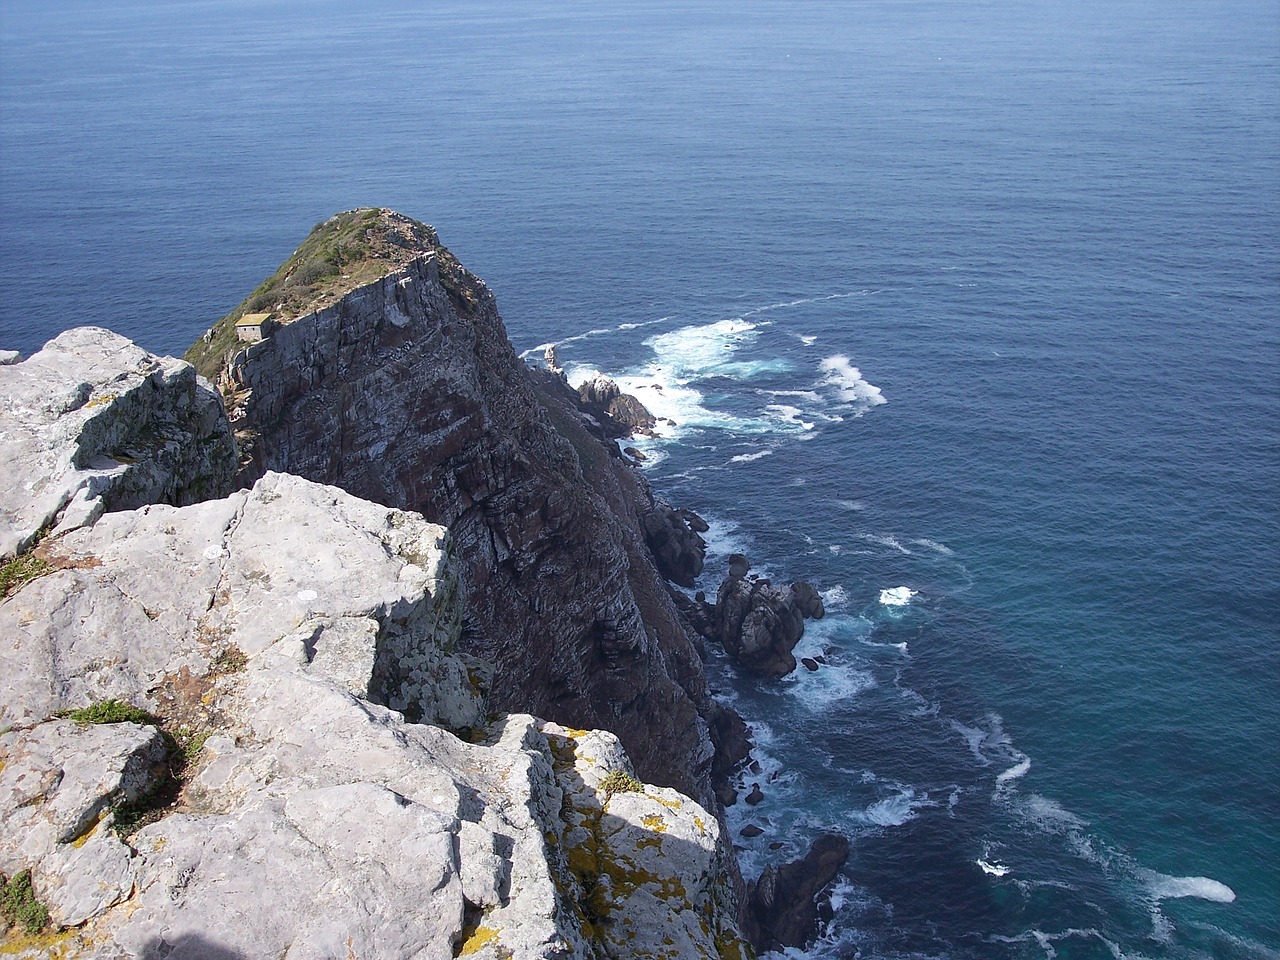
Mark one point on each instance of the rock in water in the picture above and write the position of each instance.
(620, 413)
(678, 550)
(759, 625)
(784, 903)
(807, 600)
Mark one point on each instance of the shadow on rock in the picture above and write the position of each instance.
(190, 946)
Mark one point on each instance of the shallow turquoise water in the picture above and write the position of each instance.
(1044, 235)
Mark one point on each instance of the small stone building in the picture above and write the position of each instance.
(253, 327)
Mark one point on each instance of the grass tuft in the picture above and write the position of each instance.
(20, 571)
(110, 711)
(19, 906)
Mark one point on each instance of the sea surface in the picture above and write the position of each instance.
(967, 313)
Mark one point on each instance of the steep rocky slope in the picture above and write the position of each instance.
(404, 390)
(243, 729)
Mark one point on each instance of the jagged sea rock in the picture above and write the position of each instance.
(786, 901)
(807, 600)
(677, 548)
(621, 414)
(292, 635)
(91, 423)
(758, 623)
(405, 391)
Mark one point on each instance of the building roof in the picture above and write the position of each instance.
(253, 319)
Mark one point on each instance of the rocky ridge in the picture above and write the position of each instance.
(396, 382)
(407, 392)
(295, 759)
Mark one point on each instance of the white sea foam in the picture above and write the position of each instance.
(995, 869)
(896, 596)
(896, 810)
(792, 416)
(1164, 887)
(846, 381)
(1015, 772)
(1051, 817)
(748, 457)
(886, 541)
(935, 546)
(834, 597)
(807, 340)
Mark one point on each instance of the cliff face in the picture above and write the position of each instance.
(405, 391)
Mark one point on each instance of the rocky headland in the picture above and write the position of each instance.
(382, 662)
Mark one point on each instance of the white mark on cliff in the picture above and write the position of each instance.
(306, 596)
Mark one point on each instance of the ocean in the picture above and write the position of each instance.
(968, 314)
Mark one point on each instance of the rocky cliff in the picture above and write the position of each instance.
(392, 377)
(244, 728)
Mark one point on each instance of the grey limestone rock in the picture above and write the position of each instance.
(311, 637)
(92, 422)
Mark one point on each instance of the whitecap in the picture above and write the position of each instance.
(748, 457)
(896, 810)
(807, 340)
(790, 415)
(847, 383)
(834, 597)
(887, 541)
(1015, 772)
(935, 546)
(896, 596)
(1164, 887)
(995, 869)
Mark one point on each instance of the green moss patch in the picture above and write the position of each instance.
(19, 906)
(20, 571)
(110, 711)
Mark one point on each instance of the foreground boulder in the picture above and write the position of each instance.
(281, 771)
(93, 423)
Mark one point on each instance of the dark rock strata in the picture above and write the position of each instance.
(407, 392)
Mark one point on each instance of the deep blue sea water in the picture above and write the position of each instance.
(967, 313)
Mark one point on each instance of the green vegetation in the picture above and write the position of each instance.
(340, 254)
(228, 660)
(20, 571)
(19, 906)
(110, 711)
(616, 781)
